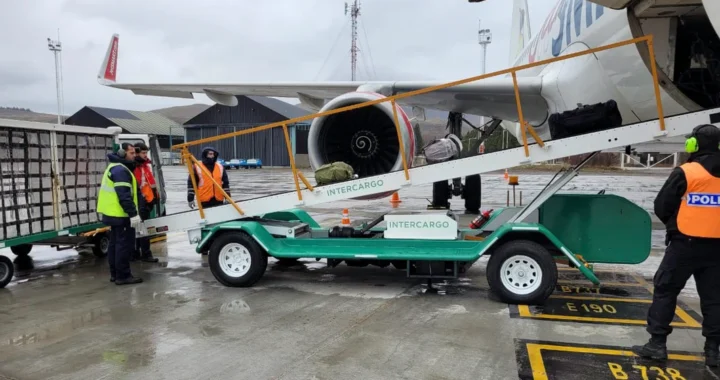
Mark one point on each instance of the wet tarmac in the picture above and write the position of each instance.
(61, 318)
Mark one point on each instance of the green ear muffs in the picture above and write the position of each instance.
(691, 145)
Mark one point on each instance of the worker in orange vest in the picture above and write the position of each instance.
(208, 194)
(689, 206)
(148, 190)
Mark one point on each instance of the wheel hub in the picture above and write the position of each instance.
(521, 274)
(364, 144)
(234, 260)
(4, 272)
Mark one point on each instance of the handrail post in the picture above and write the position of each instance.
(520, 113)
(656, 84)
(400, 140)
(188, 157)
(292, 161)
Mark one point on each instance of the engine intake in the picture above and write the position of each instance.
(364, 138)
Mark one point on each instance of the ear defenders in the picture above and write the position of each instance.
(691, 144)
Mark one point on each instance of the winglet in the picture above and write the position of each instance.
(108, 70)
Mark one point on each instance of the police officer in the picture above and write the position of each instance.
(146, 183)
(208, 194)
(118, 202)
(689, 206)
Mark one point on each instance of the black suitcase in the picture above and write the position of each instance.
(585, 119)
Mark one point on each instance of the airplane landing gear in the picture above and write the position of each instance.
(470, 191)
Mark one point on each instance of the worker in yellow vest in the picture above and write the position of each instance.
(208, 194)
(119, 202)
(689, 206)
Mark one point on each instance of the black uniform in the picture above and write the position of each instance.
(684, 257)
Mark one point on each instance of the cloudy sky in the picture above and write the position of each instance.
(184, 41)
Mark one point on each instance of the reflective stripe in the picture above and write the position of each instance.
(116, 184)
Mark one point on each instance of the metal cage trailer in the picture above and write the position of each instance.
(50, 178)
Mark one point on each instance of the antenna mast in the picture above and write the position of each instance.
(354, 13)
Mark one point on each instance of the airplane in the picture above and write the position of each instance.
(686, 43)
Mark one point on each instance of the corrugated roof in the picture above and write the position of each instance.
(140, 122)
(286, 109)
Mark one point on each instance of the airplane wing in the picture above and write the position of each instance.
(493, 97)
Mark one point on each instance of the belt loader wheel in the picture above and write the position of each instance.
(6, 271)
(237, 260)
(102, 244)
(522, 272)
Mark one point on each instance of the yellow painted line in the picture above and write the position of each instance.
(602, 284)
(584, 298)
(537, 364)
(687, 320)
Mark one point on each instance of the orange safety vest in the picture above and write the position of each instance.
(145, 182)
(699, 214)
(206, 189)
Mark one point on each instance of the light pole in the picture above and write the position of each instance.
(56, 48)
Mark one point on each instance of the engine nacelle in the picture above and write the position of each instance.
(363, 138)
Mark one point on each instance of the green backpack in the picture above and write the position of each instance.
(334, 172)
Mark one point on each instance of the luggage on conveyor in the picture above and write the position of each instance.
(585, 119)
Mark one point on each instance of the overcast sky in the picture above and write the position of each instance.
(183, 41)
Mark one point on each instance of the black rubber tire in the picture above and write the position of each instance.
(22, 249)
(102, 244)
(258, 259)
(472, 192)
(527, 248)
(7, 270)
(441, 194)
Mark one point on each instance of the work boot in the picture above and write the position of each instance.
(712, 354)
(128, 281)
(655, 349)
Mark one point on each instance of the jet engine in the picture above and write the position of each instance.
(364, 138)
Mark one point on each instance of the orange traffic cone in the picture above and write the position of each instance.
(395, 200)
(345, 218)
(507, 176)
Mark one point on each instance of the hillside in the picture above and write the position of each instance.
(16, 113)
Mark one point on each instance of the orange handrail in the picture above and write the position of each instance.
(525, 127)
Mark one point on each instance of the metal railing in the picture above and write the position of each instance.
(525, 127)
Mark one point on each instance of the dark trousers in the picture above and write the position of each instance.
(685, 257)
(143, 245)
(122, 245)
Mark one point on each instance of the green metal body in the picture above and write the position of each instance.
(42, 236)
(603, 228)
(599, 228)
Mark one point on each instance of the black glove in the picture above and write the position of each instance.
(190, 196)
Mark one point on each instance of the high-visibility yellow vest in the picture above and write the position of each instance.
(108, 202)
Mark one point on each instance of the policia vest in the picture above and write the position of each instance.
(699, 214)
(108, 202)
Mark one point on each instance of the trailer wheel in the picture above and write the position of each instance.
(102, 245)
(21, 249)
(522, 272)
(6, 271)
(237, 260)
(441, 194)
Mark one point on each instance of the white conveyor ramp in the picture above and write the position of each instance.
(675, 126)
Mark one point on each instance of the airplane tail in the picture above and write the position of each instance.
(108, 70)
(520, 33)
